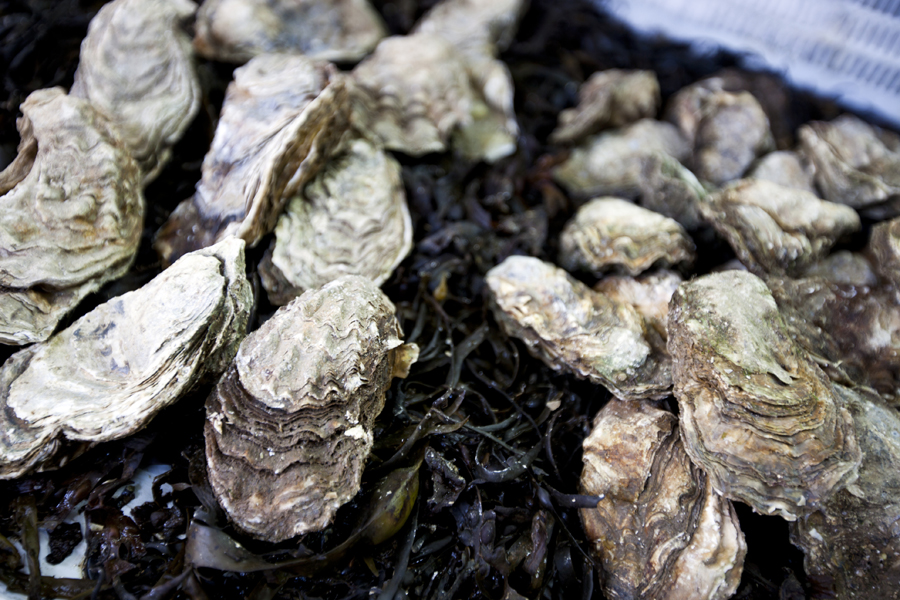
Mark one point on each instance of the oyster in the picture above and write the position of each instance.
(885, 248)
(776, 229)
(112, 370)
(570, 327)
(283, 115)
(757, 414)
(289, 426)
(607, 233)
(611, 98)
(659, 529)
(71, 216)
(335, 30)
(669, 188)
(844, 267)
(352, 219)
(649, 294)
(785, 168)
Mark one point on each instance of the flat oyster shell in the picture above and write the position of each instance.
(609, 233)
(112, 370)
(611, 98)
(659, 529)
(352, 219)
(282, 117)
(649, 294)
(777, 229)
(335, 30)
(757, 414)
(570, 327)
(289, 426)
(71, 218)
(137, 69)
(786, 168)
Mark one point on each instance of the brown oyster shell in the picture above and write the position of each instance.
(885, 249)
(112, 370)
(649, 294)
(137, 70)
(283, 115)
(352, 219)
(757, 414)
(659, 529)
(786, 168)
(570, 327)
(71, 218)
(289, 426)
(335, 30)
(609, 233)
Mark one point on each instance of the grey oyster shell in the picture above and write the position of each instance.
(570, 327)
(611, 98)
(72, 214)
(137, 70)
(649, 294)
(352, 219)
(289, 426)
(844, 266)
(608, 233)
(659, 529)
(112, 370)
(757, 414)
(669, 188)
(776, 229)
(885, 248)
(786, 168)
(335, 30)
(283, 116)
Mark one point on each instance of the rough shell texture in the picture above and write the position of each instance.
(786, 168)
(335, 30)
(572, 328)
(282, 117)
(659, 529)
(611, 98)
(649, 294)
(113, 369)
(757, 414)
(289, 426)
(71, 217)
(776, 229)
(885, 248)
(669, 188)
(137, 69)
(608, 233)
(352, 219)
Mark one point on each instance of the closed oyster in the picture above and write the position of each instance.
(611, 233)
(776, 229)
(289, 426)
(137, 69)
(659, 529)
(844, 267)
(71, 216)
(352, 219)
(335, 30)
(112, 370)
(885, 247)
(611, 98)
(757, 414)
(649, 294)
(785, 168)
(669, 188)
(283, 115)
(570, 327)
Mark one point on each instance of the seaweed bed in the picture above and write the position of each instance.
(506, 525)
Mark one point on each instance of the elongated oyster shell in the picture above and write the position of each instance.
(283, 115)
(352, 219)
(113, 369)
(757, 414)
(649, 294)
(786, 168)
(289, 426)
(885, 247)
(659, 529)
(608, 232)
(136, 68)
(335, 30)
(570, 327)
(71, 218)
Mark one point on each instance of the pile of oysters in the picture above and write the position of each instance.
(773, 380)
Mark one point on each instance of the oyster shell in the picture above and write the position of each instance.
(607, 233)
(785, 168)
(335, 30)
(885, 248)
(283, 115)
(289, 426)
(71, 218)
(611, 98)
(844, 267)
(757, 414)
(112, 370)
(570, 327)
(659, 529)
(352, 219)
(137, 70)
(649, 294)
(669, 188)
